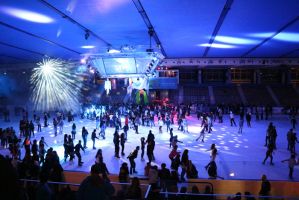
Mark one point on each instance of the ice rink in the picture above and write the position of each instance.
(239, 156)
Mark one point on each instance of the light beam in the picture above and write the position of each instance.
(54, 86)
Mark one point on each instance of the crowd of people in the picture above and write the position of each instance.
(42, 162)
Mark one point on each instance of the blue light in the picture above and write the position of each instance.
(288, 37)
(284, 36)
(235, 40)
(261, 35)
(87, 47)
(217, 45)
(27, 15)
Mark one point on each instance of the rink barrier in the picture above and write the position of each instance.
(170, 195)
(145, 188)
(278, 188)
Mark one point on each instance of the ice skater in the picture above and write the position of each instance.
(269, 154)
(103, 128)
(77, 152)
(212, 170)
(232, 119)
(248, 119)
(60, 124)
(122, 143)
(160, 122)
(291, 162)
(133, 155)
(84, 136)
(185, 125)
(74, 131)
(93, 138)
(142, 141)
(241, 123)
(116, 144)
(202, 134)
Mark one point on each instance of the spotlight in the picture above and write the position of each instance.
(87, 35)
(113, 51)
(83, 61)
(54, 86)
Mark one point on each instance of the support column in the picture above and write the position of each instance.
(288, 76)
(283, 77)
(228, 77)
(181, 94)
(199, 76)
(257, 76)
(211, 95)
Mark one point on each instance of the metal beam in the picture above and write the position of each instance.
(12, 57)
(273, 35)
(20, 48)
(36, 36)
(149, 25)
(289, 53)
(63, 15)
(220, 21)
(17, 66)
(229, 62)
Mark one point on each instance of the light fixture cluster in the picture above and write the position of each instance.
(122, 49)
(151, 67)
(87, 34)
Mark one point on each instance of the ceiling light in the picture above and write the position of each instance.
(113, 51)
(83, 61)
(88, 47)
(287, 36)
(217, 45)
(27, 15)
(284, 36)
(261, 35)
(235, 40)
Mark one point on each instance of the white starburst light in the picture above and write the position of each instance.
(54, 86)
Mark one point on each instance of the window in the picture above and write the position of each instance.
(213, 75)
(242, 75)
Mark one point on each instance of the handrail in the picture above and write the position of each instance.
(230, 195)
(203, 182)
(76, 184)
(50, 182)
(147, 191)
